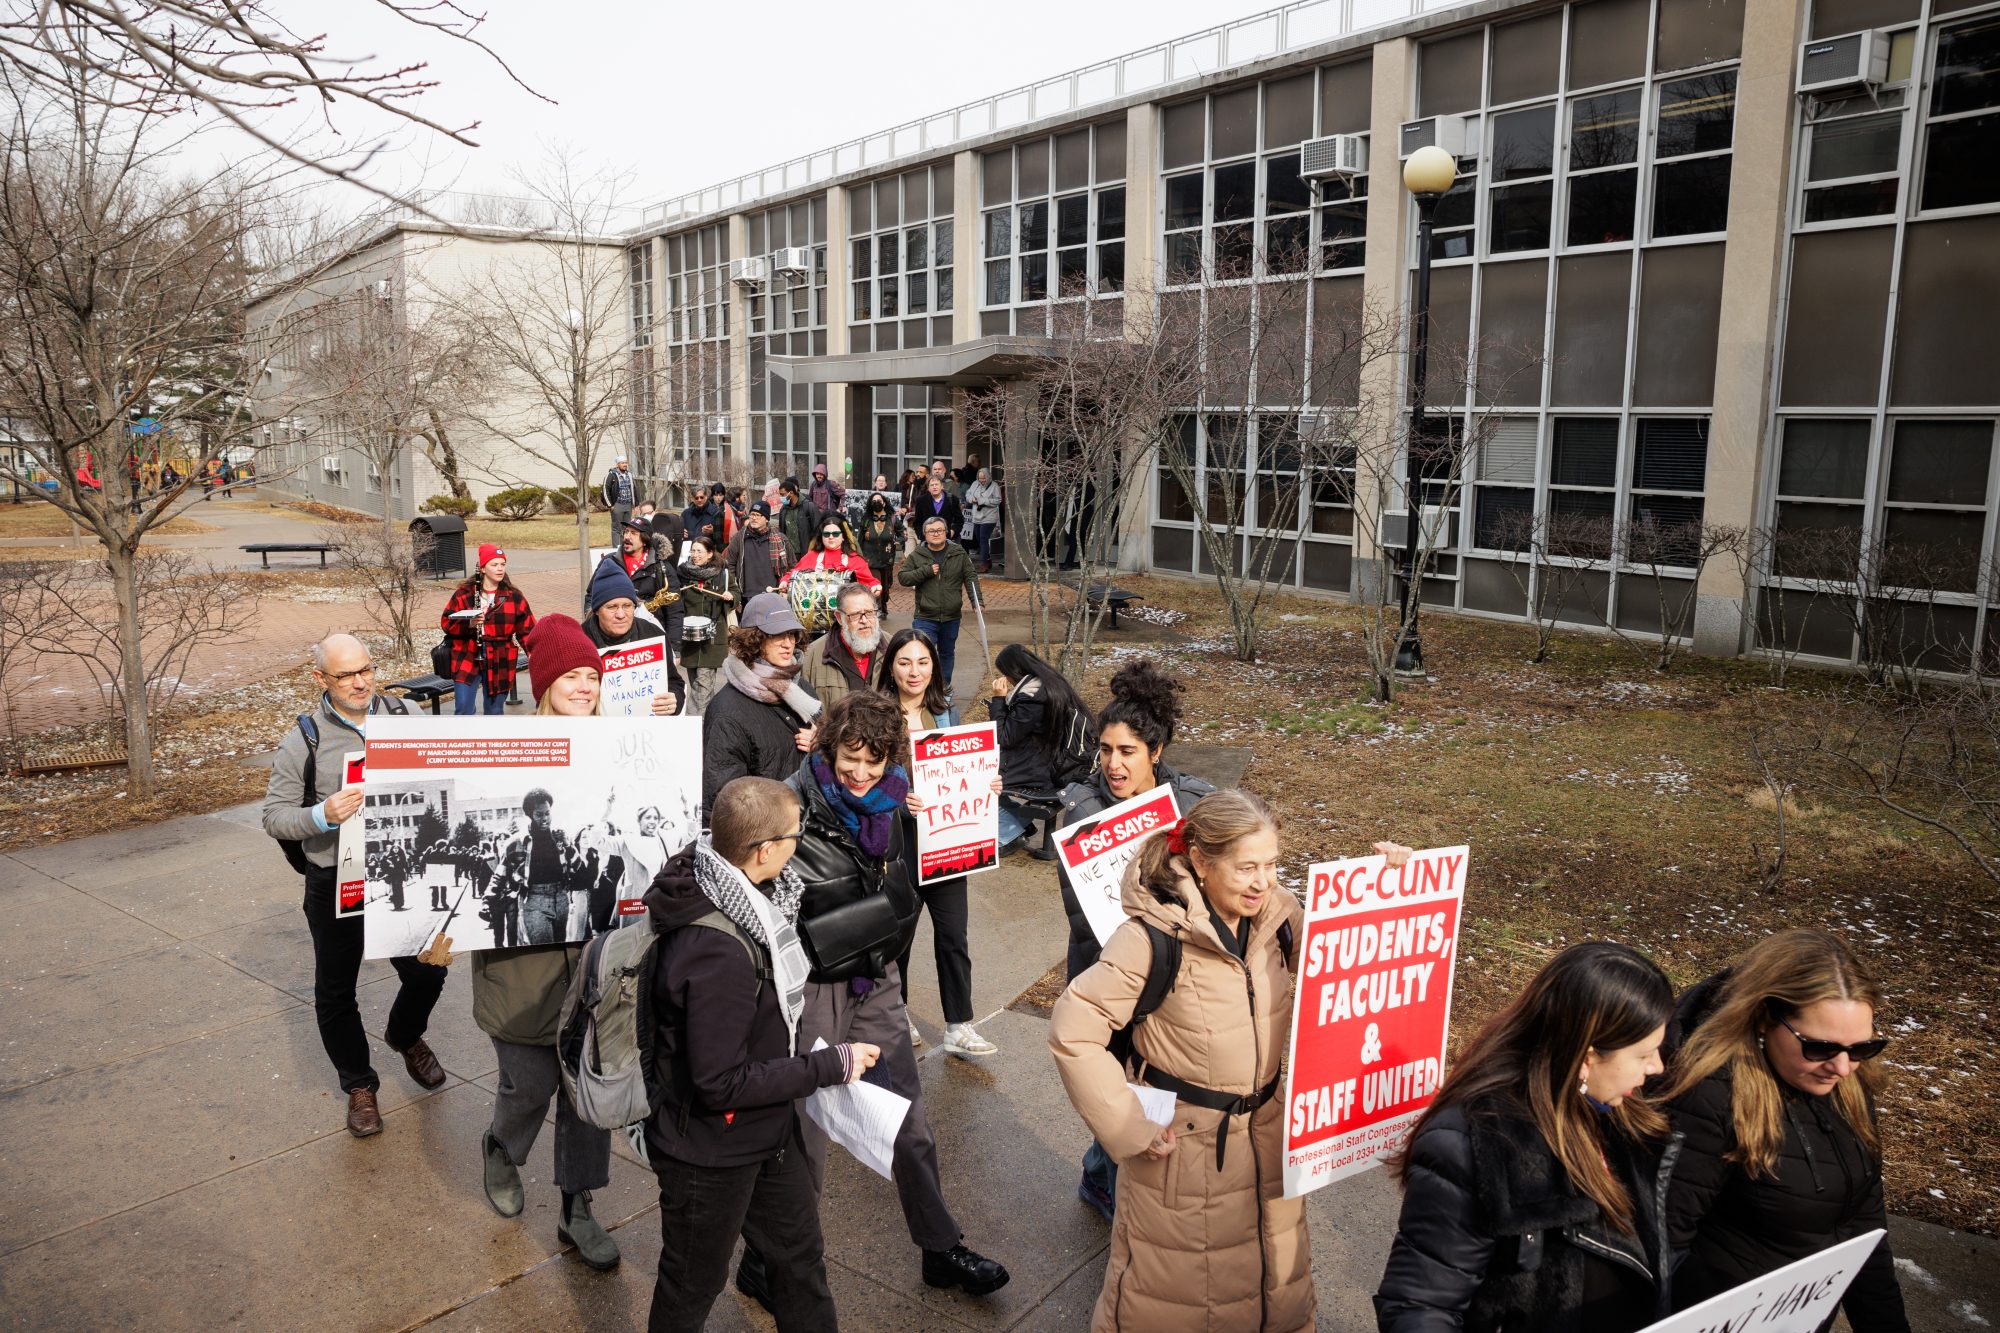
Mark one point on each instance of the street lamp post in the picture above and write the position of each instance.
(1427, 174)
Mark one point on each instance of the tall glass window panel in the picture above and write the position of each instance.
(1504, 504)
(1822, 476)
(1963, 139)
(1603, 176)
(1583, 473)
(1452, 235)
(1853, 159)
(1522, 152)
(1033, 226)
(1669, 461)
(1696, 126)
(1934, 517)
(1343, 222)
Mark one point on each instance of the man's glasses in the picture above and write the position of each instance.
(342, 677)
(784, 837)
(1819, 1052)
(858, 617)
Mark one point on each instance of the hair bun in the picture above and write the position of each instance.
(1144, 686)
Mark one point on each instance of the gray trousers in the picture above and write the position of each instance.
(702, 683)
(529, 1076)
(545, 914)
(834, 1012)
(619, 513)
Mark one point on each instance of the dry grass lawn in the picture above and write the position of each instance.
(40, 519)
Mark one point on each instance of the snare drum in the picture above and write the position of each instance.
(813, 593)
(697, 629)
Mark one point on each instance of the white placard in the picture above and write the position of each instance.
(634, 675)
(1797, 1298)
(953, 770)
(1096, 851)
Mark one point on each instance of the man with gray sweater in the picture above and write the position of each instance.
(306, 803)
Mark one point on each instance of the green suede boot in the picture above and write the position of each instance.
(593, 1243)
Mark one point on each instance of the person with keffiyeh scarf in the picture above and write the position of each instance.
(726, 1141)
(852, 795)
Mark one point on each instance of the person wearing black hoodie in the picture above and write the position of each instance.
(1775, 1098)
(725, 1140)
(1036, 709)
(857, 918)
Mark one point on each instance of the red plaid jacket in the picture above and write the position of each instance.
(508, 621)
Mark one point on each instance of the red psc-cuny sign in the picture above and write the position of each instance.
(353, 883)
(1369, 1019)
(954, 771)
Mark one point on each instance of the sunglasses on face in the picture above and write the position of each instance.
(1819, 1052)
(830, 532)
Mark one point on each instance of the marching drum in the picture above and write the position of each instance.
(697, 629)
(813, 593)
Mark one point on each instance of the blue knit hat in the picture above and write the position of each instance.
(611, 582)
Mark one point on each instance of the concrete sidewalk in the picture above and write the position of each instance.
(172, 1152)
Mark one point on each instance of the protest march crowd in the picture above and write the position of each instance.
(1599, 1155)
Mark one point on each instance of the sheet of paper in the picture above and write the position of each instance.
(465, 615)
(1157, 1103)
(861, 1118)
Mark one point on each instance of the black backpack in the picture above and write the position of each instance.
(295, 851)
(1161, 974)
(1074, 756)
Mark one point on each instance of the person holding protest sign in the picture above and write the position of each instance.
(765, 719)
(705, 594)
(1133, 732)
(614, 621)
(1202, 1237)
(517, 994)
(484, 620)
(311, 760)
(908, 675)
(1774, 1097)
(1534, 1183)
(725, 1140)
(1044, 725)
(855, 920)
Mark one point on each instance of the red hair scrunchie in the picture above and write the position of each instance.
(1176, 841)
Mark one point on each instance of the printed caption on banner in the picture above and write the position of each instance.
(1373, 1006)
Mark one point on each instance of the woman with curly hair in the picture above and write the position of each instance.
(1774, 1097)
(763, 719)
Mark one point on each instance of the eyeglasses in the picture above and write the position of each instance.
(342, 677)
(831, 532)
(859, 617)
(784, 837)
(1819, 1052)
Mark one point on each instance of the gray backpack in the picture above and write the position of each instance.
(604, 1038)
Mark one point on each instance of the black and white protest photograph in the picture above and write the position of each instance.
(543, 831)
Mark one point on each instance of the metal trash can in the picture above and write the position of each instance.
(440, 544)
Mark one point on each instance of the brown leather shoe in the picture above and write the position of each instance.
(362, 1117)
(423, 1064)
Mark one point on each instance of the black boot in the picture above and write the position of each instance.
(753, 1281)
(959, 1267)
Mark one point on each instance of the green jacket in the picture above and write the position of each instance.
(517, 994)
(940, 596)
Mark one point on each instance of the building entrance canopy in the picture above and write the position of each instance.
(967, 365)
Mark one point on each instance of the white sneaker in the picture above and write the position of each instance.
(963, 1039)
(916, 1037)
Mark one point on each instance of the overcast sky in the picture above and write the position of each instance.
(685, 95)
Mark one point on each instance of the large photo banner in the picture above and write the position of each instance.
(1797, 1298)
(498, 832)
(634, 674)
(959, 830)
(1371, 1011)
(1096, 851)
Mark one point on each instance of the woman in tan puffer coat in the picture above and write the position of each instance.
(1204, 1238)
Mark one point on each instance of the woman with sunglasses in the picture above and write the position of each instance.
(1774, 1098)
(833, 547)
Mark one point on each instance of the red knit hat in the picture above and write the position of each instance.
(487, 551)
(556, 646)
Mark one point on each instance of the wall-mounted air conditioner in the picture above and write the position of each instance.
(794, 259)
(1437, 530)
(750, 272)
(382, 289)
(1844, 62)
(1447, 132)
(718, 428)
(1335, 155)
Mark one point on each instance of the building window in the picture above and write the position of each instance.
(1821, 492)
(1521, 168)
(1693, 135)
(1504, 497)
(1669, 465)
(1934, 505)
(1603, 167)
(1962, 131)
(1583, 482)
(1054, 233)
(1853, 157)
(1343, 222)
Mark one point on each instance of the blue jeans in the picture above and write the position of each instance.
(465, 699)
(943, 633)
(1010, 827)
(982, 537)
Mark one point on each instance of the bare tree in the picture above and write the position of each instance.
(388, 561)
(239, 59)
(1672, 556)
(124, 289)
(1090, 415)
(28, 614)
(552, 318)
(1550, 557)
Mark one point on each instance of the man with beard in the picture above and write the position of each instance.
(756, 557)
(844, 660)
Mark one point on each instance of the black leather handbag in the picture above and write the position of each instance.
(852, 940)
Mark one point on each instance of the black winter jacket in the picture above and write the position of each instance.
(1027, 760)
(837, 872)
(745, 737)
(719, 1047)
(653, 577)
(1730, 1229)
(1080, 801)
(1494, 1237)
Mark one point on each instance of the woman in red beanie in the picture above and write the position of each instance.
(517, 994)
(482, 622)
